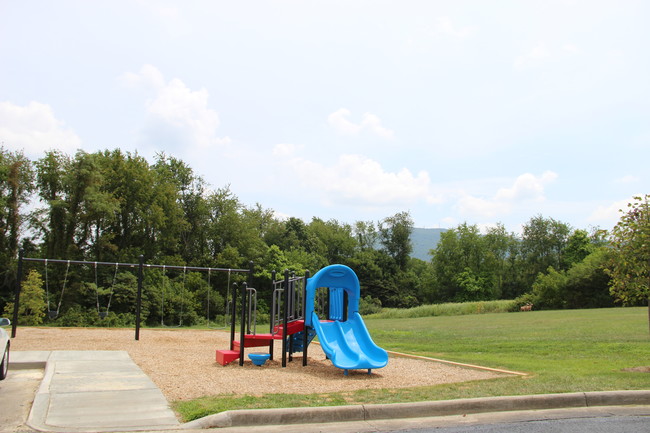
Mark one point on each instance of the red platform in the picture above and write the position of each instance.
(225, 357)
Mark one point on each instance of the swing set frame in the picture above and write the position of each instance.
(141, 265)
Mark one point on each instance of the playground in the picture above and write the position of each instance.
(181, 363)
(187, 364)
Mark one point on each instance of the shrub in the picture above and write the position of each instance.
(32, 301)
(447, 309)
(369, 305)
(584, 285)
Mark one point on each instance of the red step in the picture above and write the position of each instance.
(225, 357)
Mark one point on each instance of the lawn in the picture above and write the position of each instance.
(563, 351)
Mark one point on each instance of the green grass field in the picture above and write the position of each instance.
(563, 351)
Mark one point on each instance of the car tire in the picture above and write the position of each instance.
(4, 367)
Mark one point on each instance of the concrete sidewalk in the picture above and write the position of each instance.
(86, 391)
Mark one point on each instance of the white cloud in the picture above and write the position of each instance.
(373, 124)
(34, 129)
(281, 215)
(446, 27)
(525, 189)
(285, 149)
(541, 54)
(171, 18)
(476, 206)
(356, 179)
(176, 106)
(148, 76)
(369, 122)
(609, 215)
(533, 57)
(628, 179)
(571, 48)
(342, 125)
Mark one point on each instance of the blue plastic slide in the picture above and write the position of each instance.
(346, 343)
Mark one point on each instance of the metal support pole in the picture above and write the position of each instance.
(233, 315)
(138, 300)
(291, 297)
(251, 269)
(272, 315)
(327, 303)
(242, 330)
(305, 337)
(19, 277)
(286, 295)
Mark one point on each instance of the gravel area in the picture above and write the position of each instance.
(182, 363)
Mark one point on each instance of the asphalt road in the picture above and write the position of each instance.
(614, 424)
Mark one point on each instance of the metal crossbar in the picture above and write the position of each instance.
(134, 265)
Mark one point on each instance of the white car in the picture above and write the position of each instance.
(4, 348)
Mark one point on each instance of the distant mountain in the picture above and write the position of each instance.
(424, 240)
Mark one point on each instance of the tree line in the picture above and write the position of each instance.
(113, 206)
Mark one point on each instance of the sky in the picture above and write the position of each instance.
(455, 111)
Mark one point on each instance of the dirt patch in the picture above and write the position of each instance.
(637, 369)
(182, 364)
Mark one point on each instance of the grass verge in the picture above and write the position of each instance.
(564, 351)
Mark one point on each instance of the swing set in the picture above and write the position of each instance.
(53, 313)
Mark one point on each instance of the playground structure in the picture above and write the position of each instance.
(325, 305)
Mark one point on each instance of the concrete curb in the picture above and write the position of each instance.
(457, 364)
(258, 417)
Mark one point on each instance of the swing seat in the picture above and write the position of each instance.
(53, 314)
(103, 314)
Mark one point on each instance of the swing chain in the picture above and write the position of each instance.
(110, 296)
(65, 281)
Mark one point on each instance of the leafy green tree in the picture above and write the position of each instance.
(630, 265)
(273, 260)
(471, 287)
(548, 290)
(32, 301)
(16, 185)
(588, 282)
(100, 210)
(338, 243)
(395, 237)
(191, 207)
(503, 262)
(373, 268)
(584, 285)
(369, 305)
(234, 227)
(257, 222)
(458, 259)
(579, 246)
(50, 177)
(366, 235)
(543, 243)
